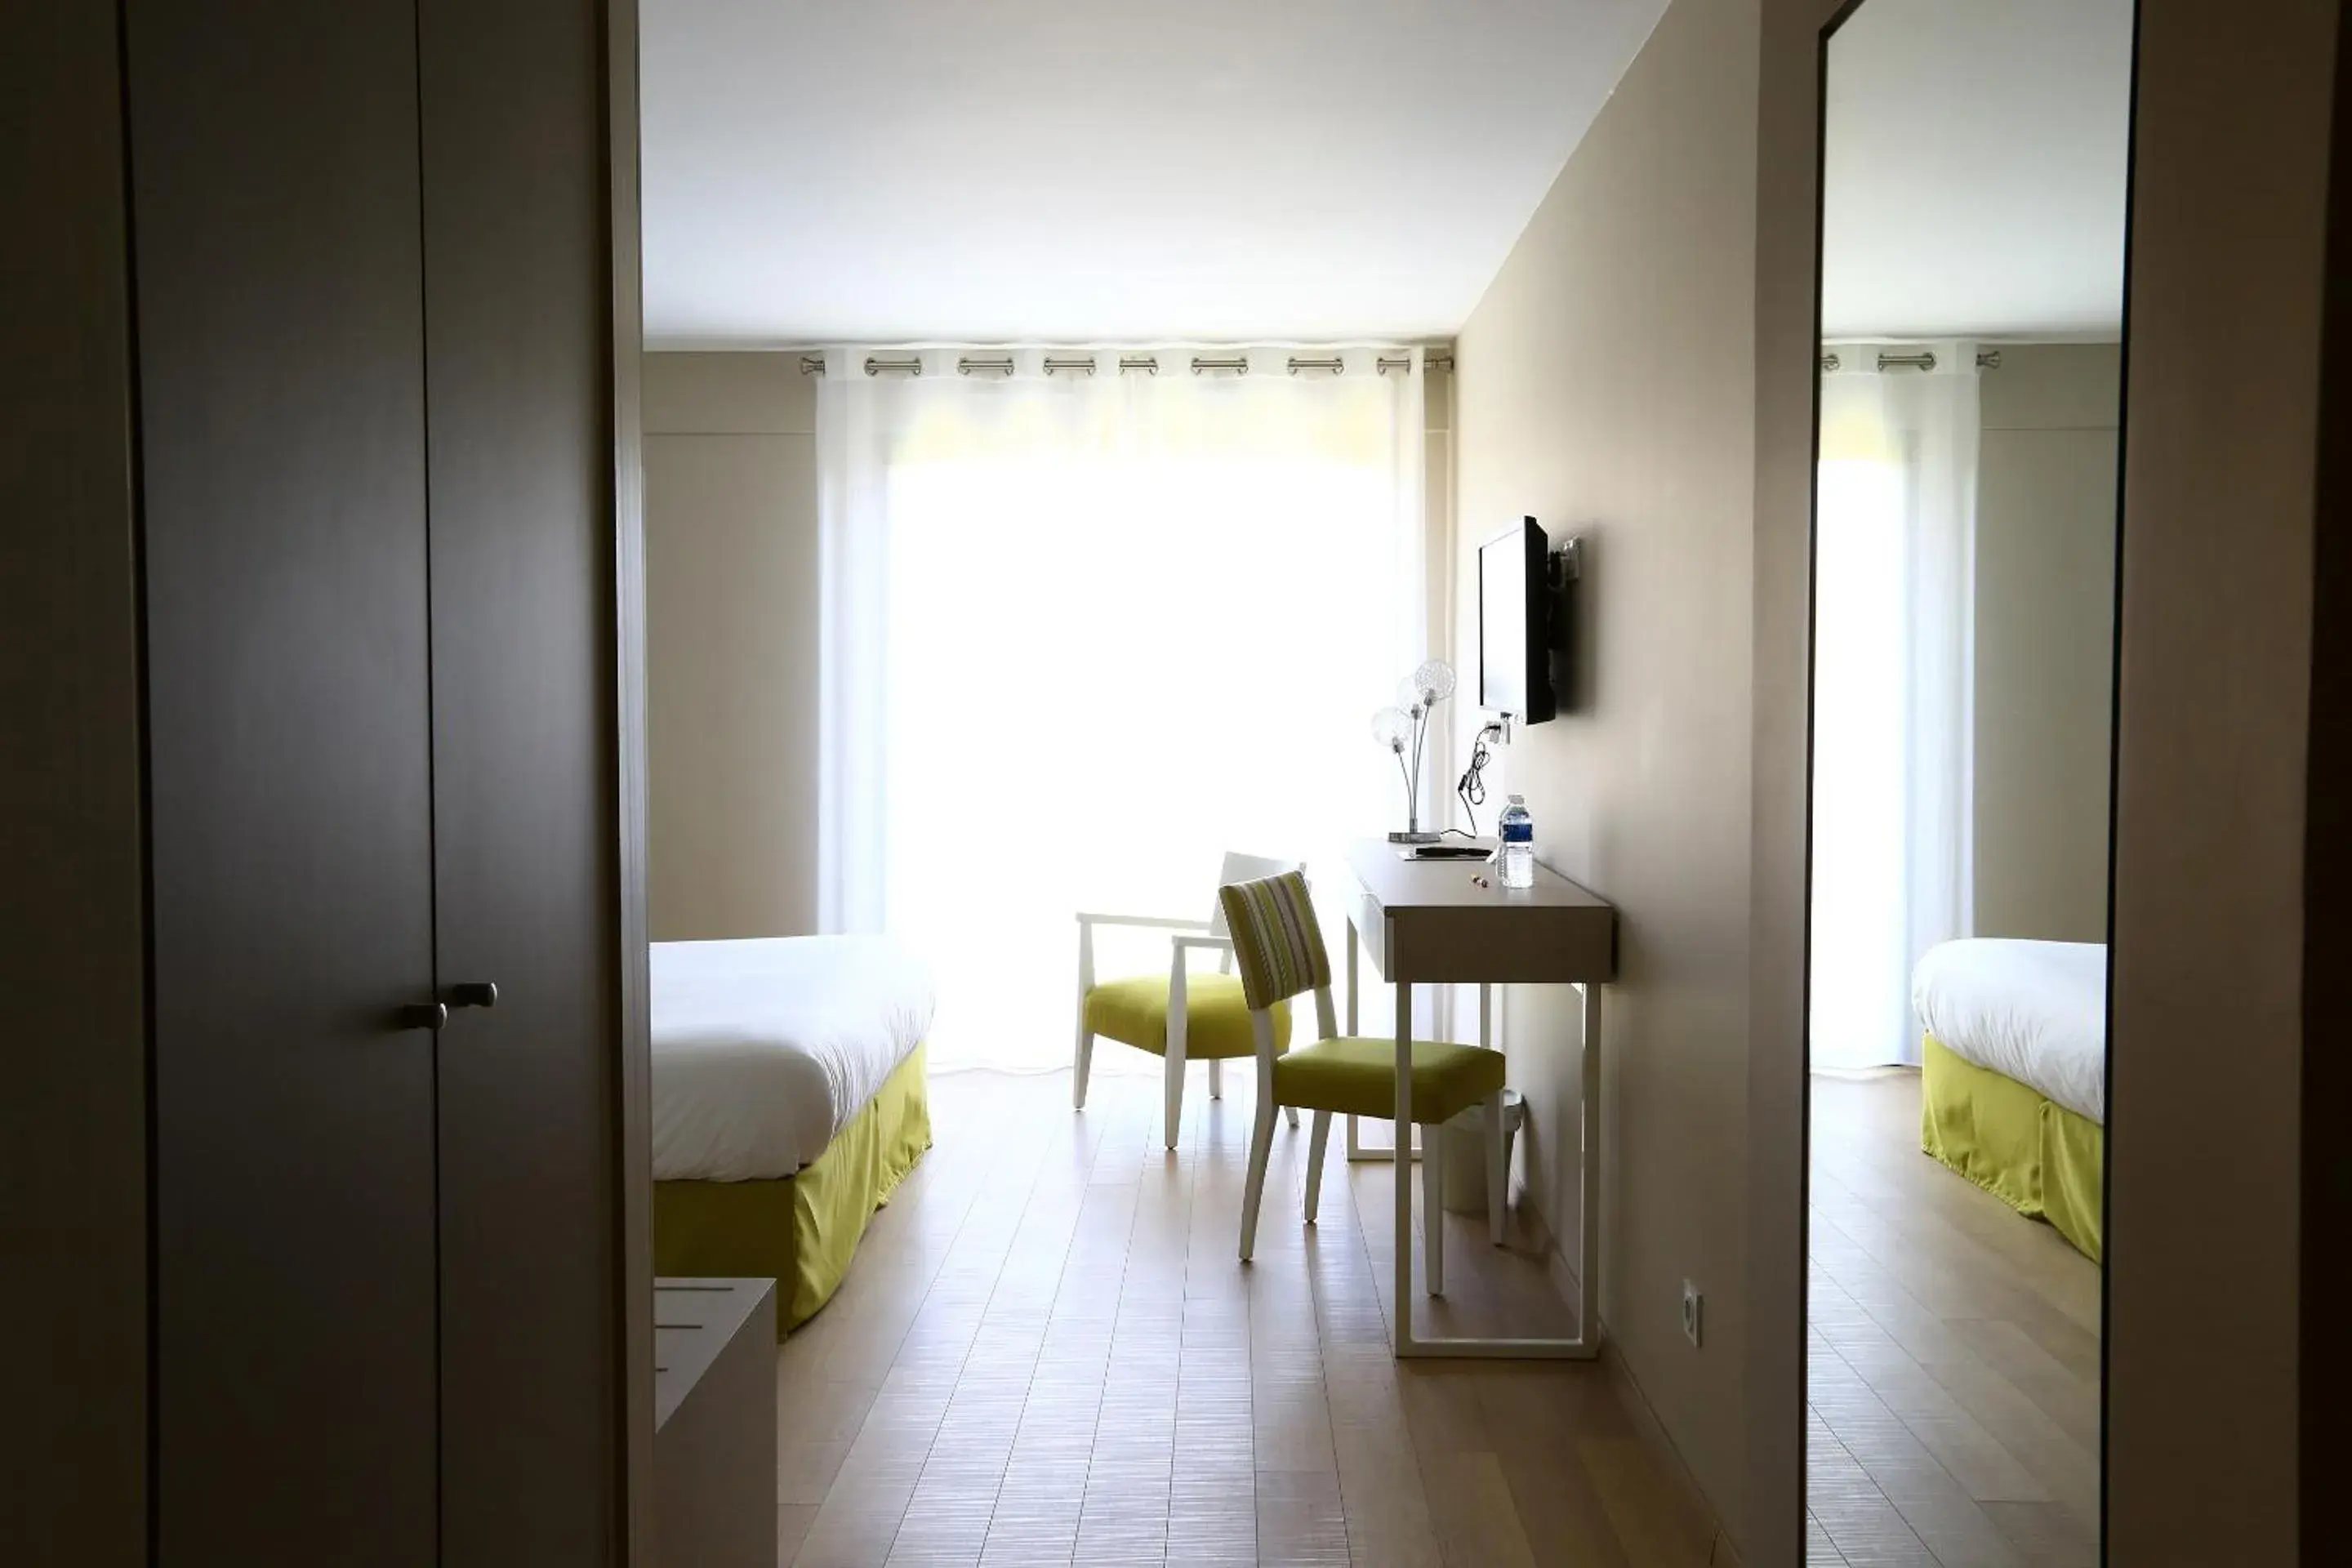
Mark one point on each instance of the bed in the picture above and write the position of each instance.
(2013, 1080)
(788, 1102)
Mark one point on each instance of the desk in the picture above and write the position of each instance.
(1429, 923)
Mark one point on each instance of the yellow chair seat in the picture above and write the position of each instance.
(1357, 1077)
(1216, 1019)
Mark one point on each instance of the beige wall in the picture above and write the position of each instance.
(1787, 356)
(1437, 479)
(732, 644)
(2214, 684)
(2045, 623)
(1603, 386)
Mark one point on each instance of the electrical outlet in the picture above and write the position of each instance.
(1693, 1304)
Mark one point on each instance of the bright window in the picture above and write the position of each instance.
(1124, 629)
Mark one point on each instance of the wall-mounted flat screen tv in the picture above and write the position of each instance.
(1514, 629)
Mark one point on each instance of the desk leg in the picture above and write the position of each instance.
(1357, 1152)
(1353, 942)
(1405, 1344)
(1588, 1200)
(1587, 1343)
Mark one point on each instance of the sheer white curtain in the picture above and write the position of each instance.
(1084, 633)
(1893, 615)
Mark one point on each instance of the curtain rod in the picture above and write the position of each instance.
(1988, 360)
(1145, 365)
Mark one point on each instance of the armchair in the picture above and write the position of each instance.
(1182, 1014)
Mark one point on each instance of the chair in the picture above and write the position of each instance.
(1179, 1016)
(1280, 950)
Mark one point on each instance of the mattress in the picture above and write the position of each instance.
(765, 1050)
(2032, 1011)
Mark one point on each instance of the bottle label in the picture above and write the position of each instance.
(1518, 833)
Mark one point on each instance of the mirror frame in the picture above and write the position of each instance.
(1827, 35)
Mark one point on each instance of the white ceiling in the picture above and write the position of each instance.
(1974, 170)
(1103, 170)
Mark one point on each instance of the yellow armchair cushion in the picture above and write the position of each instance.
(1356, 1076)
(1216, 1019)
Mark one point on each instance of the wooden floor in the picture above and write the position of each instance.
(1047, 1352)
(1953, 1357)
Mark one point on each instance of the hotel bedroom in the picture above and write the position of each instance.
(999, 617)
(1071, 444)
(944, 779)
(1009, 602)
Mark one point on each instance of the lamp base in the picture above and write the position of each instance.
(1414, 836)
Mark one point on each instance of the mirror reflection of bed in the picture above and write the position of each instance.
(1965, 549)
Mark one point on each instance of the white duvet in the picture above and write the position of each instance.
(2032, 1011)
(765, 1050)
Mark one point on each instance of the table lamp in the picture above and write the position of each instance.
(1403, 730)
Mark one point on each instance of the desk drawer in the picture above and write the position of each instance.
(1500, 943)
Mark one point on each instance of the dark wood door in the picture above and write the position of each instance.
(517, 312)
(276, 243)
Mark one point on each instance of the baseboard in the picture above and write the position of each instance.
(1537, 1235)
(1563, 1277)
(1721, 1552)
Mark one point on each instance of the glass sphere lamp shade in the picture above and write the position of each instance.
(1403, 730)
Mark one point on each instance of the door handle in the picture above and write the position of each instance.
(423, 1015)
(476, 993)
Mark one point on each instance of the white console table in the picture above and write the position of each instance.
(1432, 923)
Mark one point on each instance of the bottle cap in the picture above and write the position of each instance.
(1518, 800)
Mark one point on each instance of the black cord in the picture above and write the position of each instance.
(1471, 787)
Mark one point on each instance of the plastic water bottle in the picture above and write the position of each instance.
(1517, 855)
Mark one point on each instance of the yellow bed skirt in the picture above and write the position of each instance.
(800, 1230)
(2038, 1157)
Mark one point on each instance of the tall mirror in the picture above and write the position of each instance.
(1965, 543)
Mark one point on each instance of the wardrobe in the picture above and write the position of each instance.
(373, 367)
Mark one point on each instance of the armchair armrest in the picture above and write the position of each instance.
(1088, 919)
(1179, 952)
(1153, 922)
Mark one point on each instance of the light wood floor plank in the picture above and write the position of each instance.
(1048, 1352)
(1641, 1504)
(1953, 1353)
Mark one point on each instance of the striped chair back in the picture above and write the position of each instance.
(1276, 940)
(1241, 868)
